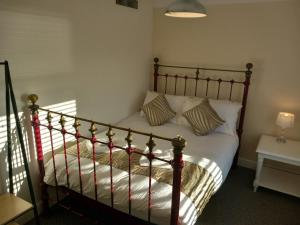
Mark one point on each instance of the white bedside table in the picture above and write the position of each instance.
(275, 179)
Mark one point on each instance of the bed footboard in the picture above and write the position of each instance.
(178, 144)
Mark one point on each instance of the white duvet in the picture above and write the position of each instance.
(215, 152)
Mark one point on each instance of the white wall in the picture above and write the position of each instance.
(95, 52)
(266, 34)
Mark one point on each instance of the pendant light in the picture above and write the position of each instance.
(186, 9)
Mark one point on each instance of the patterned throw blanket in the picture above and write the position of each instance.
(197, 183)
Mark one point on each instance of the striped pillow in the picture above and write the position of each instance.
(203, 118)
(158, 111)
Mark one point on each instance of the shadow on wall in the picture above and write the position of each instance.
(19, 174)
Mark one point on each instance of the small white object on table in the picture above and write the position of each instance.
(275, 179)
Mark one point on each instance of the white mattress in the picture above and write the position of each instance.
(214, 152)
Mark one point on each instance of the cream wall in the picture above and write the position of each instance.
(95, 52)
(266, 34)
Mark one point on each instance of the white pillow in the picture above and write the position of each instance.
(227, 110)
(174, 101)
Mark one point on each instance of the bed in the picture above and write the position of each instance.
(142, 173)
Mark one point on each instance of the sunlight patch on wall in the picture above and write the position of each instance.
(18, 180)
(19, 175)
(17, 160)
(69, 108)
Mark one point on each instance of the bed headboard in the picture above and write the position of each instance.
(211, 82)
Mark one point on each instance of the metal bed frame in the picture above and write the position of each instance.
(178, 144)
(208, 80)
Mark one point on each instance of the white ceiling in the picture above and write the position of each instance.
(164, 3)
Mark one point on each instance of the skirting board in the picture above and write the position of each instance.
(250, 164)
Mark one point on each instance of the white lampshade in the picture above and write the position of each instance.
(186, 9)
(285, 120)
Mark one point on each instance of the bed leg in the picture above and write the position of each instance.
(235, 160)
(38, 143)
(178, 145)
(246, 83)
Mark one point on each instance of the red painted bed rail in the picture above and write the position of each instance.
(50, 127)
(110, 145)
(93, 131)
(39, 148)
